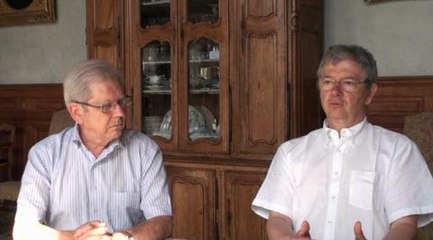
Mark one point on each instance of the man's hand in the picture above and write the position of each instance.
(159, 227)
(280, 227)
(357, 228)
(93, 230)
(304, 231)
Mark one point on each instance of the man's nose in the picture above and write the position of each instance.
(336, 87)
(119, 110)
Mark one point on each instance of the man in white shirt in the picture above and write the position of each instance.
(350, 179)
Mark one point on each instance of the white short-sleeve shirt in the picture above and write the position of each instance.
(367, 174)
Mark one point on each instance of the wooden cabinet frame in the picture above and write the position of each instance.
(270, 51)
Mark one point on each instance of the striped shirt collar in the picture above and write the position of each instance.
(121, 141)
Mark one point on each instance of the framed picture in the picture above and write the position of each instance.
(381, 1)
(18, 12)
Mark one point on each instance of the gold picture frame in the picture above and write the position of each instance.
(382, 1)
(13, 12)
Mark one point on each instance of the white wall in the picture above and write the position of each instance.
(43, 53)
(398, 33)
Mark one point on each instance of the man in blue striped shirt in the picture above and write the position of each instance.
(96, 180)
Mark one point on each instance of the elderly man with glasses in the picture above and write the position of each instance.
(349, 179)
(96, 180)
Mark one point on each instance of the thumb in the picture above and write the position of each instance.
(304, 231)
(357, 228)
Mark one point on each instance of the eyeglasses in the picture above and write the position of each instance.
(347, 85)
(109, 107)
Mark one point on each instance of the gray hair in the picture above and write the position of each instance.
(362, 56)
(76, 84)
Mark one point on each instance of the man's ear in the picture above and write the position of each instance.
(371, 94)
(75, 111)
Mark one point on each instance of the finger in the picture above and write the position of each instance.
(104, 237)
(357, 228)
(95, 233)
(91, 229)
(118, 235)
(87, 226)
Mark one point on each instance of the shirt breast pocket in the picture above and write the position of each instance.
(125, 209)
(361, 193)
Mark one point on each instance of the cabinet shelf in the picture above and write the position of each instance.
(155, 2)
(161, 92)
(204, 91)
(203, 61)
(162, 62)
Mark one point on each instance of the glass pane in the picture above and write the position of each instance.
(156, 88)
(203, 11)
(203, 73)
(154, 12)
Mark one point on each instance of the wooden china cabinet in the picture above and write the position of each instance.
(219, 85)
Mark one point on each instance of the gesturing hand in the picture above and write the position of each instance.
(357, 228)
(304, 231)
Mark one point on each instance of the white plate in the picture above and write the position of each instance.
(196, 122)
(209, 118)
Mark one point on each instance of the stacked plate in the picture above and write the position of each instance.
(151, 124)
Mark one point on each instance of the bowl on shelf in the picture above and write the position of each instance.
(155, 79)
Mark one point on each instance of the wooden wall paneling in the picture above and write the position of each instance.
(398, 97)
(29, 107)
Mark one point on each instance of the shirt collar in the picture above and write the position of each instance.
(76, 138)
(345, 133)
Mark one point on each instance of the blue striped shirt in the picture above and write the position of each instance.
(64, 185)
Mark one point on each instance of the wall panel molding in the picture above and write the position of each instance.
(399, 97)
(29, 107)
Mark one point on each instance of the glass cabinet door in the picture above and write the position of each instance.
(179, 61)
(156, 89)
(204, 88)
(203, 93)
(202, 11)
(154, 12)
